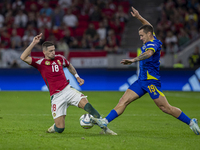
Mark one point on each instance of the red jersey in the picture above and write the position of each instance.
(52, 72)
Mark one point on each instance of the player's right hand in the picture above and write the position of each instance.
(37, 38)
(80, 81)
(127, 61)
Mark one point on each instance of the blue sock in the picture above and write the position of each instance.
(183, 117)
(112, 115)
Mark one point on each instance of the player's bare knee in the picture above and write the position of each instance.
(123, 102)
(164, 109)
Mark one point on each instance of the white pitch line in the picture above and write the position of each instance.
(181, 95)
(75, 115)
(26, 114)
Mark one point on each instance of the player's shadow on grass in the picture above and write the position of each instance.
(74, 134)
(146, 134)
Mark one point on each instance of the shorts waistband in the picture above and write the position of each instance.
(52, 96)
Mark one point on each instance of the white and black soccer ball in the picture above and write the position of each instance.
(85, 121)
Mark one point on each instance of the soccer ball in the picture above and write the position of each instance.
(85, 121)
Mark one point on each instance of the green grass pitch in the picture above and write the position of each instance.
(25, 117)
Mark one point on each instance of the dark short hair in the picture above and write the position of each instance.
(146, 28)
(47, 44)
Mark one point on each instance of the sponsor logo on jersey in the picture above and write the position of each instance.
(47, 62)
(53, 63)
(59, 62)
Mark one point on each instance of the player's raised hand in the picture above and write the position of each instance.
(127, 61)
(134, 12)
(37, 38)
(80, 81)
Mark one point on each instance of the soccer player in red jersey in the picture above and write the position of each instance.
(62, 94)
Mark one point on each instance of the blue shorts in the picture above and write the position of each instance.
(153, 87)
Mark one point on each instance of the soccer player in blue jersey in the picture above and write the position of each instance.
(148, 81)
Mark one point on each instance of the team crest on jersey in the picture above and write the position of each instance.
(54, 114)
(144, 47)
(59, 62)
(47, 62)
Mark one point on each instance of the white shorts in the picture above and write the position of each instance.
(62, 100)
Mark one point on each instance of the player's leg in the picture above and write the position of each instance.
(134, 92)
(58, 126)
(154, 90)
(84, 104)
(163, 104)
(59, 110)
(153, 87)
(80, 100)
(128, 97)
(59, 123)
(125, 100)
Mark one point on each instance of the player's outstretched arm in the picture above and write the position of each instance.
(72, 70)
(25, 55)
(136, 14)
(143, 56)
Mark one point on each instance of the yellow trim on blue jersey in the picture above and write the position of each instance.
(150, 49)
(159, 92)
(139, 51)
(150, 77)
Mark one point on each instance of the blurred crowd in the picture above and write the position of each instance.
(81, 24)
(178, 24)
(69, 24)
(88, 25)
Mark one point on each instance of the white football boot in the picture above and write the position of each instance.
(101, 122)
(51, 129)
(194, 126)
(107, 131)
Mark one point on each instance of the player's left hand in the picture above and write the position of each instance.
(134, 12)
(127, 61)
(80, 81)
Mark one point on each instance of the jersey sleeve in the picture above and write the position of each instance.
(151, 46)
(35, 62)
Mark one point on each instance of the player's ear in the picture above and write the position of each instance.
(43, 50)
(149, 34)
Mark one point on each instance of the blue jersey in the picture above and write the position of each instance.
(149, 68)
